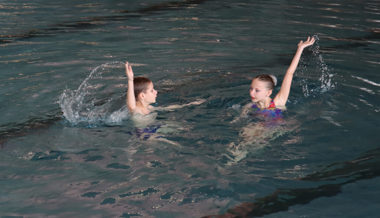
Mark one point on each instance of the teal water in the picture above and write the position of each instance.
(69, 149)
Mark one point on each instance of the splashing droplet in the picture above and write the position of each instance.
(100, 99)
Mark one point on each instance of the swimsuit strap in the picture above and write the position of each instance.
(272, 106)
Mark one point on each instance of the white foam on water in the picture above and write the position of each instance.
(100, 98)
(322, 73)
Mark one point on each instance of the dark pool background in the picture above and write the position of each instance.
(324, 162)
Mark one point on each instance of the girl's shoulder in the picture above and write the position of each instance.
(276, 105)
(280, 103)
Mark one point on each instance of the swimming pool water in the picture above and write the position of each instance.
(69, 149)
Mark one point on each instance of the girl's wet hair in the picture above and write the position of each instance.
(271, 80)
(140, 85)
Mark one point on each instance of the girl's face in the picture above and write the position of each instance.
(259, 91)
(150, 94)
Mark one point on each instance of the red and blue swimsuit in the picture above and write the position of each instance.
(270, 112)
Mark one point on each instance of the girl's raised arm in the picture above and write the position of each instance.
(282, 96)
(131, 100)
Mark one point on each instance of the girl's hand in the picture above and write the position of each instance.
(310, 41)
(128, 71)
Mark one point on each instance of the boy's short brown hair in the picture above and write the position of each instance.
(140, 85)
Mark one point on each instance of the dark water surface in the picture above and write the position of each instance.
(69, 149)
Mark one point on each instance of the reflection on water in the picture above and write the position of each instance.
(92, 22)
(83, 156)
(340, 174)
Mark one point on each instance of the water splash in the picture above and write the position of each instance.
(321, 73)
(100, 98)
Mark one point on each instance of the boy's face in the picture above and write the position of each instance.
(150, 94)
(259, 91)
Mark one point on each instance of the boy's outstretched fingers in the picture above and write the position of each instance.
(128, 71)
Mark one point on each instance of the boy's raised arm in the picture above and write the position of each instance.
(131, 101)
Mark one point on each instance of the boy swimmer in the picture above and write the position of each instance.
(141, 94)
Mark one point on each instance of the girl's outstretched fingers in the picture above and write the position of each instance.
(310, 41)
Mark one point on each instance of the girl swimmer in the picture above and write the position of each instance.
(256, 135)
(262, 87)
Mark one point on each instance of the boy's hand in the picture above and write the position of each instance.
(128, 71)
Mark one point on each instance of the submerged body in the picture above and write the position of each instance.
(271, 125)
